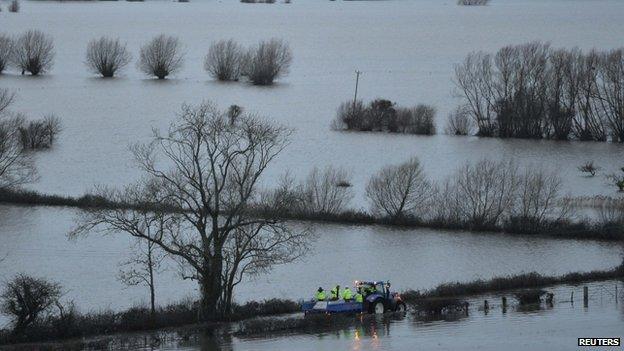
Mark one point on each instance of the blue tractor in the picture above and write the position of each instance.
(377, 299)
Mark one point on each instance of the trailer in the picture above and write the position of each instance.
(338, 306)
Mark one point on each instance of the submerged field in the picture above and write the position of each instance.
(406, 51)
(406, 56)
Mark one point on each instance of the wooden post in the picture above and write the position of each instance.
(486, 306)
(572, 297)
(616, 294)
(585, 296)
(504, 302)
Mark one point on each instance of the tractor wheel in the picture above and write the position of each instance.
(400, 307)
(378, 307)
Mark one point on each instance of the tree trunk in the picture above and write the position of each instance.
(151, 283)
(210, 294)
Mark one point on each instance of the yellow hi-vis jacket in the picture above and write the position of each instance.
(320, 296)
(346, 294)
(359, 298)
(334, 293)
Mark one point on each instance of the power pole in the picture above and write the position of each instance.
(357, 80)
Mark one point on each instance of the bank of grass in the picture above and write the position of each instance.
(521, 281)
(72, 324)
(564, 229)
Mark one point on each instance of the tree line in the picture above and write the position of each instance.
(482, 195)
(535, 91)
(33, 52)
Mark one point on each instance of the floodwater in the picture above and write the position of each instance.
(34, 241)
(405, 49)
(535, 327)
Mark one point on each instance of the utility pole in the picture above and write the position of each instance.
(357, 80)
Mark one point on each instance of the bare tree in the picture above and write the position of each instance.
(26, 298)
(33, 52)
(209, 169)
(589, 123)
(224, 60)
(326, 191)
(267, 61)
(6, 48)
(161, 57)
(106, 56)
(141, 268)
(16, 166)
(400, 191)
(459, 122)
(611, 92)
(473, 79)
(538, 196)
(481, 194)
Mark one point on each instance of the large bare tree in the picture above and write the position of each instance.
(400, 191)
(208, 169)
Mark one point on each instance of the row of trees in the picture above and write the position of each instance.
(384, 115)
(485, 194)
(535, 91)
(261, 64)
(33, 52)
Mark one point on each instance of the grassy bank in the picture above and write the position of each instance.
(521, 281)
(564, 229)
(72, 324)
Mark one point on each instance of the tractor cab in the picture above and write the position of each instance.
(378, 298)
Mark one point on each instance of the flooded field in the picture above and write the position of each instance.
(406, 51)
(406, 56)
(411, 259)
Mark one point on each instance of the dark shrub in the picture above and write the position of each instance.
(350, 116)
(14, 6)
(439, 306)
(224, 60)
(161, 57)
(472, 2)
(529, 296)
(106, 56)
(33, 52)
(416, 120)
(381, 115)
(40, 134)
(267, 61)
(25, 299)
